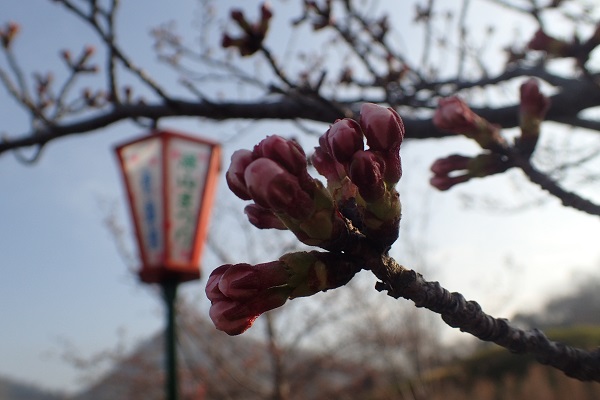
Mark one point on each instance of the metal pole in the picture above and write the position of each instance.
(171, 384)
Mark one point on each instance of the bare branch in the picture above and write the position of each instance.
(468, 317)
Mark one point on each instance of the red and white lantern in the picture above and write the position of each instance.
(170, 180)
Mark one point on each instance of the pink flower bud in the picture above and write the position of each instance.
(533, 103)
(327, 166)
(534, 106)
(265, 17)
(382, 127)
(235, 317)
(445, 166)
(263, 218)
(393, 167)
(235, 174)
(543, 42)
(445, 171)
(238, 16)
(240, 293)
(225, 317)
(243, 281)
(66, 55)
(366, 172)
(344, 138)
(456, 169)
(273, 187)
(88, 51)
(212, 284)
(286, 153)
(227, 41)
(454, 115)
(446, 182)
(265, 11)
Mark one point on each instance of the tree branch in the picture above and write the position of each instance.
(468, 317)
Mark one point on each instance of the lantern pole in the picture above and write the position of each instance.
(169, 289)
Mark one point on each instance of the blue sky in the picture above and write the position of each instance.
(62, 277)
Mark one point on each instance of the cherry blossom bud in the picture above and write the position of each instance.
(393, 167)
(286, 153)
(8, 34)
(271, 186)
(447, 165)
(382, 126)
(235, 174)
(533, 108)
(454, 115)
(344, 138)
(235, 317)
(228, 41)
(88, 51)
(327, 166)
(366, 172)
(444, 183)
(240, 293)
(243, 281)
(66, 55)
(263, 218)
(212, 284)
(554, 47)
(533, 103)
(455, 169)
(238, 16)
(265, 17)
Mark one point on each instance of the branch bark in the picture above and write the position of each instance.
(469, 317)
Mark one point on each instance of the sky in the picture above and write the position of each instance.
(64, 285)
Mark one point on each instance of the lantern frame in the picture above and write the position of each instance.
(165, 267)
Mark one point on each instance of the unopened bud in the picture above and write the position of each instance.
(263, 218)
(344, 138)
(235, 174)
(382, 127)
(366, 172)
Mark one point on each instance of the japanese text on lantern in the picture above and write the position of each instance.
(142, 163)
(188, 163)
(150, 218)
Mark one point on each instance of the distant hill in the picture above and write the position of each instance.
(13, 390)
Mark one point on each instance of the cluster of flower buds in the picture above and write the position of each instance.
(8, 34)
(361, 180)
(360, 202)
(239, 293)
(454, 115)
(532, 111)
(455, 169)
(253, 34)
(81, 63)
(274, 174)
